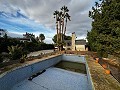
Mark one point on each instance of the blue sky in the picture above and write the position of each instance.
(36, 16)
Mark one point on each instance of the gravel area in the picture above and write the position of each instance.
(39, 52)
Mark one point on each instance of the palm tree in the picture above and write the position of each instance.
(61, 17)
(64, 10)
(56, 16)
(41, 37)
(96, 4)
(67, 16)
(60, 20)
(29, 35)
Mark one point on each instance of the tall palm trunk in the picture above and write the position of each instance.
(57, 28)
(60, 30)
(61, 25)
(65, 26)
(60, 33)
(57, 31)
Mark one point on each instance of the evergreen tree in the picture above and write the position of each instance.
(105, 34)
(65, 38)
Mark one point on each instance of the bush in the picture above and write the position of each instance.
(23, 58)
(15, 52)
(31, 47)
(1, 58)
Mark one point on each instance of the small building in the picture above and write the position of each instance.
(24, 39)
(75, 45)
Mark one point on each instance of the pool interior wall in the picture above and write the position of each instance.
(10, 79)
(72, 66)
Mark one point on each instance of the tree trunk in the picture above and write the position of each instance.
(60, 30)
(65, 26)
(57, 28)
(62, 38)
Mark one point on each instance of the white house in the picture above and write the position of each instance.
(80, 45)
(74, 44)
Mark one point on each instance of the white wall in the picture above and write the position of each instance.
(80, 47)
(73, 41)
(73, 58)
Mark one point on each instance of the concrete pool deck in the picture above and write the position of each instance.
(58, 79)
(100, 79)
(55, 79)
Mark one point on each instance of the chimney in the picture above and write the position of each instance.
(73, 41)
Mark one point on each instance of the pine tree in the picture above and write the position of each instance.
(105, 34)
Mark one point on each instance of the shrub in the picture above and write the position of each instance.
(1, 58)
(23, 58)
(15, 52)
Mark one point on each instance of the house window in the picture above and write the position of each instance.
(68, 44)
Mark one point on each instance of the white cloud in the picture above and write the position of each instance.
(41, 11)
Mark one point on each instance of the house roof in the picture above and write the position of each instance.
(68, 41)
(23, 39)
(80, 42)
(77, 42)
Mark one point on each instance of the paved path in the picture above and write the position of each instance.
(39, 52)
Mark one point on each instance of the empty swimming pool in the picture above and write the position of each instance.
(56, 75)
